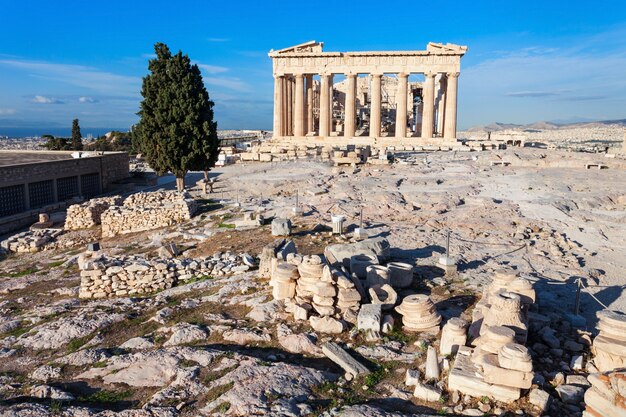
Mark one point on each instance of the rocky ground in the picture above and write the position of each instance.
(222, 346)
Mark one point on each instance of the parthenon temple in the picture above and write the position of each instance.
(375, 100)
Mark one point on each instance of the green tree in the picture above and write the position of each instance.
(77, 137)
(176, 131)
(55, 144)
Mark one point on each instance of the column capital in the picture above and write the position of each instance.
(299, 76)
(376, 75)
(430, 74)
(350, 75)
(453, 74)
(402, 75)
(279, 75)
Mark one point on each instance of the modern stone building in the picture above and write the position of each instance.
(306, 107)
(33, 181)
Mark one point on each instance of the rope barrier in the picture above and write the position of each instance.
(580, 282)
(546, 280)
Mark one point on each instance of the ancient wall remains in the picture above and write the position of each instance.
(89, 213)
(146, 211)
(106, 276)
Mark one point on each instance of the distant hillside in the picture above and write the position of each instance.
(498, 126)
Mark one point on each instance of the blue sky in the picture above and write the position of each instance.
(527, 61)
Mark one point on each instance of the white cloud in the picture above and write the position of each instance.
(543, 83)
(46, 100)
(87, 100)
(231, 83)
(211, 69)
(4, 112)
(78, 75)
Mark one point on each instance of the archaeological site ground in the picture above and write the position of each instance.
(368, 259)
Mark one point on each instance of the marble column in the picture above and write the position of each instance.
(331, 117)
(278, 105)
(449, 130)
(401, 103)
(350, 107)
(441, 104)
(429, 105)
(310, 122)
(290, 107)
(299, 106)
(324, 123)
(375, 106)
(284, 107)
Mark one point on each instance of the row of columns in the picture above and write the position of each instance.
(293, 105)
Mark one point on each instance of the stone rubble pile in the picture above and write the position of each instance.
(146, 211)
(331, 295)
(89, 213)
(499, 366)
(607, 395)
(609, 347)
(110, 276)
(314, 291)
(30, 241)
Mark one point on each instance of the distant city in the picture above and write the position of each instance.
(33, 132)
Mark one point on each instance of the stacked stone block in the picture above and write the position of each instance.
(146, 211)
(499, 366)
(609, 347)
(607, 395)
(105, 276)
(30, 241)
(89, 213)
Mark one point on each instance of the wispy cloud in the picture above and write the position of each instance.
(6, 112)
(211, 69)
(87, 100)
(46, 100)
(78, 75)
(218, 39)
(546, 83)
(231, 83)
(532, 94)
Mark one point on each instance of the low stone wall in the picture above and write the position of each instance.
(30, 241)
(105, 276)
(89, 213)
(146, 211)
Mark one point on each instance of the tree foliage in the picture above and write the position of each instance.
(77, 137)
(113, 141)
(56, 144)
(176, 131)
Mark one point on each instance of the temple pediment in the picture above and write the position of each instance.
(310, 46)
(448, 47)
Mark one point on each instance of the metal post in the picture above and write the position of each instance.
(578, 288)
(297, 199)
(448, 244)
(361, 219)
(237, 196)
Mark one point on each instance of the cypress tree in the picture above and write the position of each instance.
(77, 137)
(176, 131)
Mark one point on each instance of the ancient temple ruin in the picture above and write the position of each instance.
(380, 104)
